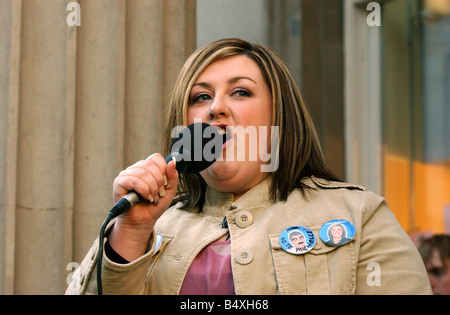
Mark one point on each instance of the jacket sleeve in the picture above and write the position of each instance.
(389, 262)
(116, 278)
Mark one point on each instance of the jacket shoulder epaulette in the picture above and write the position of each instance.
(327, 184)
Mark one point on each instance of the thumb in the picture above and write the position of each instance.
(172, 177)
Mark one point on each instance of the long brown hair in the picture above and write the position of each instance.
(300, 154)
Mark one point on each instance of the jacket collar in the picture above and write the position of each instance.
(218, 203)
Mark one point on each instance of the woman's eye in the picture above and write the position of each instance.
(242, 93)
(201, 98)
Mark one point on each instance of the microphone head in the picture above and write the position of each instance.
(196, 147)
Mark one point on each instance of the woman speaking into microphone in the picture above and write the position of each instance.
(231, 228)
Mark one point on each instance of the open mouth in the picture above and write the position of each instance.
(226, 134)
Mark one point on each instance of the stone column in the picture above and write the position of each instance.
(45, 132)
(10, 12)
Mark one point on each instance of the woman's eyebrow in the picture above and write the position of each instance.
(235, 79)
(230, 81)
(204, 84)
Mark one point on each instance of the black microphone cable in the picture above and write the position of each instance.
(120, 207)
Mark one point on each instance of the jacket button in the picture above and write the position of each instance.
(244, 256)
(243, 219)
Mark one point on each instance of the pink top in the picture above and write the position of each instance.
(210, 272)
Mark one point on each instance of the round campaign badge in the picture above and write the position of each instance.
(337, 232)
(297, 240)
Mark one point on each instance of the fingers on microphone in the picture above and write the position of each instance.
(128, 182)
(169, 171)
(147, 179)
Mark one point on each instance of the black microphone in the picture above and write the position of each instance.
(194, 148)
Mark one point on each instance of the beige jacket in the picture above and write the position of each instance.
(380, 260)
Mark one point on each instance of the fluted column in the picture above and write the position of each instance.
(43, 137)
(160, 36)
(10, 22)
(99, 114)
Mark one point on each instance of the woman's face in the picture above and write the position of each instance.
(232, 93)
(337, 231)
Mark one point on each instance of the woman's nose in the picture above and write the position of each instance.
(218, 109)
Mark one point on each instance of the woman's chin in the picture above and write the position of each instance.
(220, 170)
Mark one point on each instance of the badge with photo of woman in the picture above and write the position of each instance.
(337, 232)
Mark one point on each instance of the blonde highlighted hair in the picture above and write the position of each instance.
(300, 154)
